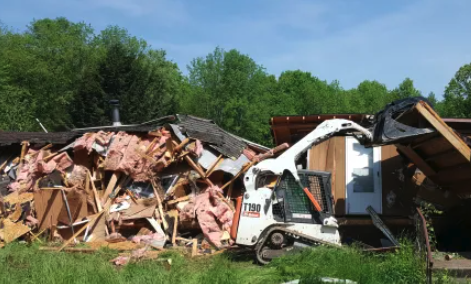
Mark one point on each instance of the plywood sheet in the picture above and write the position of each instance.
(330, 156)
(48, 205)
(77, 201)
(12, 230)
(141, 209)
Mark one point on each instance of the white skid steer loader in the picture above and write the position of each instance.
(298, 209)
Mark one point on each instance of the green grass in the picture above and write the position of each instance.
(26, 264)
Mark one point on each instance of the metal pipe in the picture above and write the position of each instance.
(115, 112)
(71, 222)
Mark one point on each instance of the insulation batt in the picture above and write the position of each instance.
(88, 139)
(117, 150)
(126, 155)
(214, 216)
(147, 239)
(77, 176)
(34, 167)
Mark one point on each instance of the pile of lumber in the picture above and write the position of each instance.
(141, 190)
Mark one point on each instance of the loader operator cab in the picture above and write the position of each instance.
(292, 204)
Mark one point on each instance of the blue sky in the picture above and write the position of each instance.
(349, 40)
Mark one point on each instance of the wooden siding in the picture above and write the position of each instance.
(330, 156)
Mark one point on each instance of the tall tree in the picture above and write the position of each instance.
(306, 93)
(369, 97)
(127, 69)
(231, 89)
(405, 90)
(457, 98)
(45, 62)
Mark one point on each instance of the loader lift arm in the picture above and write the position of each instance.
(287, 160)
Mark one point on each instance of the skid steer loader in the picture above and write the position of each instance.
(297, 211)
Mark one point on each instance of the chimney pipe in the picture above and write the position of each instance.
(115, 112)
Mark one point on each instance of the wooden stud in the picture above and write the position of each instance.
(180, 146)
(175, 225)
(195, 166)
(159, 205)
(194, 249)
(111, 185)
(95, 193)
(214, 165)
(24, 149)
(243, 170)
(87, 181)
(229, 191)
(34, 237)
(184, 198)
(434, 119)
(416, 159)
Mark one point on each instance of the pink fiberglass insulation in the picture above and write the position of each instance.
(121, 260)
(88, 139)
(117, 150)
(29, 171)
(250, 154)
(134, 162)
(198, 148)
(130, 156)
(85, 142)
(188, 212)
(141, 171)
(211, 216)
(148, 239)
(77, 176)
(59, 162)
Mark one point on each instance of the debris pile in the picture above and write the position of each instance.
(171, 186)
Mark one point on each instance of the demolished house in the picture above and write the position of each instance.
(168, 182)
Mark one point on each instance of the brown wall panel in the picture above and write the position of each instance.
(330, 156)
(397, 188)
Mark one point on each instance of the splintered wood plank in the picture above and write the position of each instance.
(95, 193)
(417, 160)
(434, 119)
(194, 248)
(175, 225)
(111, 184)
(13, 231)
(16, 197)
(214, 165)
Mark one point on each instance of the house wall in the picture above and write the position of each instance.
(397, 192)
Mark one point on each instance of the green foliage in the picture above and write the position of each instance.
(65, 73)
(457, 99)
(401, 266)
(26, 264)
(405, 90)
(429, 211)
